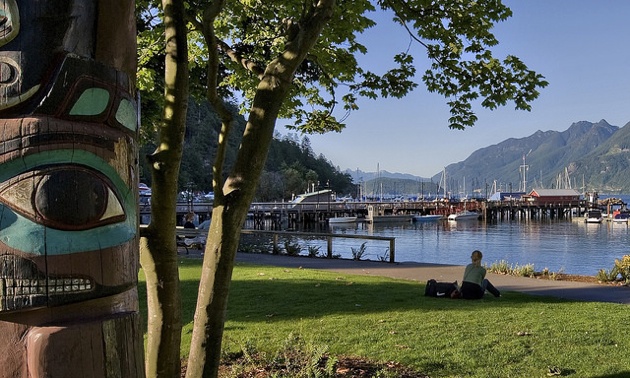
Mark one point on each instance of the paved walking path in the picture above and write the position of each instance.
(422, 272)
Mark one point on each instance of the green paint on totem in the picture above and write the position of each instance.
(33, 238)
(127, 114)
(93, 101)
(23, 234)
(13, 232)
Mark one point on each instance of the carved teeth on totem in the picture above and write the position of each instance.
(24, 293)
(24, 286)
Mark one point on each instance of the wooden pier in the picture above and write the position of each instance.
(525, 210)
(286, 215)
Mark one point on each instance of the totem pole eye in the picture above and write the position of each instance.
(66, 198)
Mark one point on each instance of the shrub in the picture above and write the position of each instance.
(292, 249)
(385, 256)
(358, 253)
(501, 267)
(623, 268)
(313, 250)
(524, 271)
(604, 275)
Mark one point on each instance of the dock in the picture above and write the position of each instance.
(287, 215)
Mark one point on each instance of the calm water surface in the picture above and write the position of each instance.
(561, 246)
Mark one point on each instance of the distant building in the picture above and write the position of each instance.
(554, 196)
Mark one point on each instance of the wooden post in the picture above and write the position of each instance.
(392, 250)
(329, 244)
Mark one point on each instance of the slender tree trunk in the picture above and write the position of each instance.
(158, 249)
(232, 204)
(228, 216)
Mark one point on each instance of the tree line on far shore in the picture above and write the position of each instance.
(292, 167)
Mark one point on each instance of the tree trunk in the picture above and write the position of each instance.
(232, 204)
(228, 216)
(158, 250)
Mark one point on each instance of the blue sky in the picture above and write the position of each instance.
(580, 46)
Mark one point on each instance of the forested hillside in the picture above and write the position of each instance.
(607, 167)
(292, 166)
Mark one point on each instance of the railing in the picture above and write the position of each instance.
(189, 232)
(329, 239)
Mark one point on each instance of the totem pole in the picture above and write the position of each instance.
(68, 190)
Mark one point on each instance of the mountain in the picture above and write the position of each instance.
(550, 159)
(390, 188)
(587, 157)
(361, 176)
(607, 167)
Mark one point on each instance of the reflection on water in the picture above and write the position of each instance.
(570, 247)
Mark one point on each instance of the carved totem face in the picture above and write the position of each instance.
(68, 124)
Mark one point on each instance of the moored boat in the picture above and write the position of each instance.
(378, 215)
(336, 220)
(389, 218)
(463, 215)
(621, 217)
(593, 216)
(427, 218)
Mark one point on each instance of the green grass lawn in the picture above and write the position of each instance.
(390, 320)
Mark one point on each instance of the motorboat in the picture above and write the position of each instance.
(427, 218)
(389, 218)
(378, 215)
(336, 220)
(621, 217)
(463, 215)
(593, 216)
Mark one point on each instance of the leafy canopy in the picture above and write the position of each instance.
(456, 35)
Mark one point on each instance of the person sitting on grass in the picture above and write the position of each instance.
(475, 284)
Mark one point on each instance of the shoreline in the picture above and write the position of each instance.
(586, 290)
(422, 272)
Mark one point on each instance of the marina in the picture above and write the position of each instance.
(552, 233)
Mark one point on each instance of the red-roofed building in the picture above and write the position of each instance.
(555, 196)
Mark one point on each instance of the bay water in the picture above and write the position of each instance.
(565, 246)
(561, 246)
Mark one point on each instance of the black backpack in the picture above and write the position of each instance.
(440, 289)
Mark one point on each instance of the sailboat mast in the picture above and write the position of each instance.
(444, 183)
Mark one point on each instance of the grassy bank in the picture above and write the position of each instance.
(390, 320)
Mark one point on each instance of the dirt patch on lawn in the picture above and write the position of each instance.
(344, 367)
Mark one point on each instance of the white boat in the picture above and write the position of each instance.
(378, 215)
(427, 218)
(313, 198)
(463, 215)
(593, 216)
(337, 220)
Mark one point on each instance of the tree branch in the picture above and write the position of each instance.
(238, 58)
